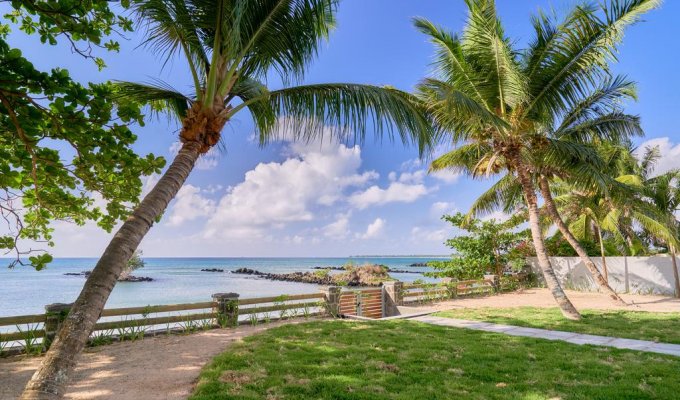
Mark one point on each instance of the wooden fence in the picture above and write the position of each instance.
(33, 333)
(429, 292)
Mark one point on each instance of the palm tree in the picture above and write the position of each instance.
(596, 117)
(663, 192)
(617, 208)
(230, 47)
(496, 101)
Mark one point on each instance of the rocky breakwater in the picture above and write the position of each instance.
(129, 278)
(367, 275)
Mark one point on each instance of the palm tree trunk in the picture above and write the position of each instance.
(49, 380)
(675, 271)
(604, 259)
(567, 308)
(566, 233)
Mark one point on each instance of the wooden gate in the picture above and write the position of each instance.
(363, 303)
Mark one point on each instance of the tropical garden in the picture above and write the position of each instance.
(545, 123)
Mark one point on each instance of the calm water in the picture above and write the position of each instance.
(176, 280)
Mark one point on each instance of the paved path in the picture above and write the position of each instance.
(571, 337)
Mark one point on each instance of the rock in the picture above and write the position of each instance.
(212, 270)
(367, 275)
(136, 279)
(126, 279)
(418, 265)
(84, 273)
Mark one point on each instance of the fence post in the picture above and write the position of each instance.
(393, 297)
(332, 298)
(227, 309)
(451, 287)
(55, 314)
(495, 282)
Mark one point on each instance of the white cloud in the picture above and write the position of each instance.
(446, 176)
(419, 234)
(395, 192)
(440, 208)
(670, 154)
(275, 194)
(338, 229)
(190, 205)
(374, 229)
(207, 161)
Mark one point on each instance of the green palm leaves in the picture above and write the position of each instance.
(232, 46)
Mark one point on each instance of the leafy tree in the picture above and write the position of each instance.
(498, 102)
(134, 263)
(232, 48)
(63, 142)
(487, 248)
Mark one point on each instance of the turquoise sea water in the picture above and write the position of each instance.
(176, 280)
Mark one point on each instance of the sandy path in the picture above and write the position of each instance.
(543, 298)
(162, 367)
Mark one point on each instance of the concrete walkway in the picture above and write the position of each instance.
(571, 337)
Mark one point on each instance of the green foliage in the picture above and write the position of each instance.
(557, 246)
(134, 263)
(63, 143)
(406, 360)
(487, 248)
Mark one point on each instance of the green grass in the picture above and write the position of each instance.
(409, 360)
(660, 327)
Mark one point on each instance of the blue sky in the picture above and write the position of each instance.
(331, 199)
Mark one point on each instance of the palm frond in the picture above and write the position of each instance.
(159, 96)
(346, 111)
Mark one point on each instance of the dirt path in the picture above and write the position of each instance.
(543, 298)
(163, 367)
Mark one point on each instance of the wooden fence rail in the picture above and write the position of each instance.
(227, 309)
(34, 328)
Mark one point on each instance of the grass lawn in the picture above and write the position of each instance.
(660, 327)
(409, 360)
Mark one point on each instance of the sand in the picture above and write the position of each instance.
(542, 298)
(162, 367)
(167, 367)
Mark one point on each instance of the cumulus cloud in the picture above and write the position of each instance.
(275, 194)
(395, 192)
(670, 154)
(338, 229)
(439, 208)
(190, 205)
(374, 229)
(446, 176)
(420, 169)
(419, 234)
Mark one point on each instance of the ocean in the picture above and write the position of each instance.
(176, 280)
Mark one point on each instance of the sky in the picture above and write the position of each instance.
(338, 199)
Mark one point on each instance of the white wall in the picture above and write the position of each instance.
(642, 275)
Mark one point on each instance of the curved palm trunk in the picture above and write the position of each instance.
(49, 380)
(602, 256)
(675, 272)
(567, 308)
(566, 233)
